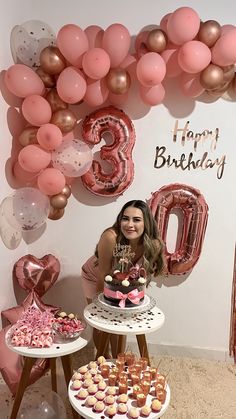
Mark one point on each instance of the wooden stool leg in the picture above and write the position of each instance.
(143, 349)
(53, 369)
(66, 364)
(29, 362)
(104, 340)
(121, 344)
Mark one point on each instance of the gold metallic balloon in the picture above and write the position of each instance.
(66, 191)
(219, 91)
(55, 101)
(47, 79)
(212, 77)
(52, 61)
(209, 32)
(156, 40)
(64, 119)
(229, 73)
(118, 81)
(58, 201)
(56, 214)
(28, 136)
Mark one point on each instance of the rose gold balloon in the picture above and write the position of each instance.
(28, 136)
(58, 201)
(52, 61)
(64, 119)
(55, 101)
(156, 40)
(118, 81)
(212, 76)
(47, 79)
(209, 32)
(229, 73)
(66, 191)
(219, 91)
(56, 214)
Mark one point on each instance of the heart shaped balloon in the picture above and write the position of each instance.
(36, 274)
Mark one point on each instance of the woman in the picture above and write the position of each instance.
(134, 226)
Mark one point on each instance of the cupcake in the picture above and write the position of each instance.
(97, 378)
(92, 365)
(82, 394)
(122, 408)
(133, 413)
(99, 406)
(122, 398)
(100, 395)
(111, 410)
(111, 390)
(87, 375)
(156, 405)
(83, 369)
(102, 385)
(88, 382)
(109, 399)
(101, 360)
(93, 371)
(76, 376)
(92, 389)
(145, 410)
(76, 385)
(91, 401)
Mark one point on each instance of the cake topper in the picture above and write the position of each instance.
(124, 254)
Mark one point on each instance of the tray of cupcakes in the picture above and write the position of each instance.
(126, 386)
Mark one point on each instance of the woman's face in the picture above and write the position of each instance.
(132, 224)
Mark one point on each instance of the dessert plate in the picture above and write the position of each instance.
(148, 303)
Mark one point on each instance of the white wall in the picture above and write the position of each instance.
(197, 307)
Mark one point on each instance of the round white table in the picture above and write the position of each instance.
(131, 321)
(88, 413)
(61, 349)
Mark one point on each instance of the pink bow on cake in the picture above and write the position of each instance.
(134, 296)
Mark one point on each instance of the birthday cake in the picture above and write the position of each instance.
(126, 286)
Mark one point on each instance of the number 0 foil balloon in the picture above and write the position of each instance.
(195, 215)
(118, 154)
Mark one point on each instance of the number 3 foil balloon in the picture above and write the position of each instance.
(195, 215)
(118, 154)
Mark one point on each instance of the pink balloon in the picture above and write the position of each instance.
(24, 177)
(164, 22)
(190, 84)
(96, 93)
(194, 56)
(96, 63)
(51, 181)
(71, 85)
(49, 136)
(130, 64)
(224, 50)
(151, 69)
(94, 34)
(33, 158)
(73, 43)
(22, 81)
(152, 95)
(226, 28)
(140, 43)
(36, 110)
(170, 56)
(183, 25)
(116, 42)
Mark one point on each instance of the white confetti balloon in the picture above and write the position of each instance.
(28, 40)
(73, 158)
